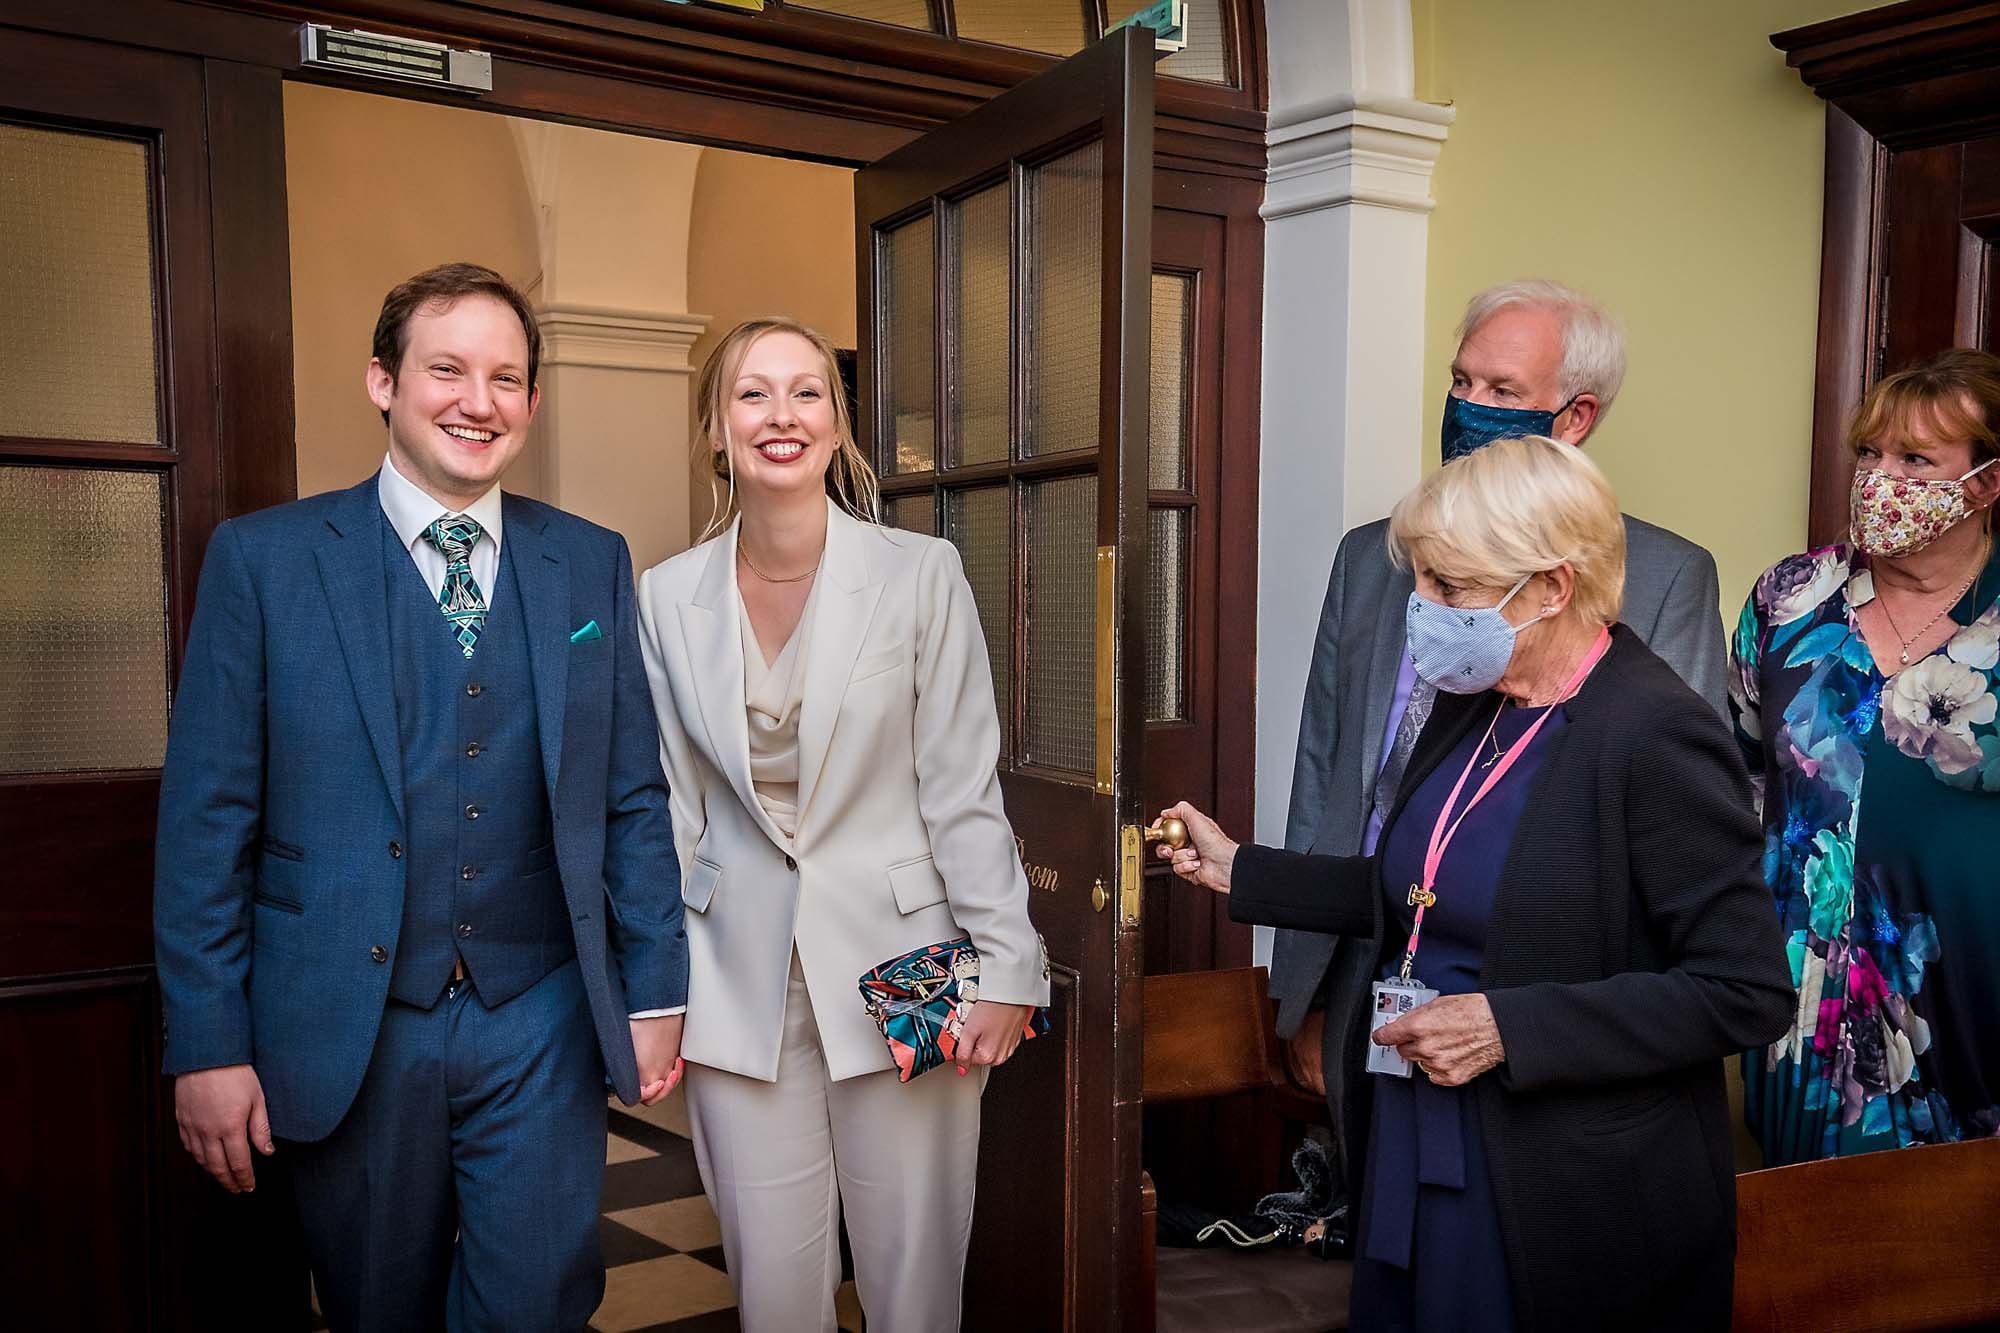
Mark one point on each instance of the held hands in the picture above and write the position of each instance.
(1452, 1040)
(992, 1031)
(656, 1042)
(1207, 858)
(221, 1113)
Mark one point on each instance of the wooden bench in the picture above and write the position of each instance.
(1210, 1034)
(1887, 1240)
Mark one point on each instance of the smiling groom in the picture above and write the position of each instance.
(417, 897)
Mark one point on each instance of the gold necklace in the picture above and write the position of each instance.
(744, 551)
(1984, 550)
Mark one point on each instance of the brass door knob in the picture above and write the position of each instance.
(1170, 830)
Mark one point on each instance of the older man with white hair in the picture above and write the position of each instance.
(1534, 358)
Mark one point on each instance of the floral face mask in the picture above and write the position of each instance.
(1896, 516)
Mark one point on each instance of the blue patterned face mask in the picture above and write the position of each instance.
(1468, 425)
(1461, 649)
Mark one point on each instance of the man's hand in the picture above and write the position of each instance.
(221, 1114)
(1209, 855)
(1302, 1053)
(1451, 1040)
(992, 1031)
(656, 1042)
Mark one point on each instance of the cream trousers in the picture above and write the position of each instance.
(780, 1161)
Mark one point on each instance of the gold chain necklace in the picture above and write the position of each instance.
(744, 551)
(1985, 549)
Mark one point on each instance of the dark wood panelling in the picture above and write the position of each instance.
(1921, 253)
(245, 113)
(1848, 315)
(80, 855)
(1910, 74)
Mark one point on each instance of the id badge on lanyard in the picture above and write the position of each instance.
(1389, 1001)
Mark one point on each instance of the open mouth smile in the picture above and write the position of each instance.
(781, 451)
(470, 434)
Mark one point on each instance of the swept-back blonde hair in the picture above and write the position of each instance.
(1515, 508)
(849, 480)
(1955, 395)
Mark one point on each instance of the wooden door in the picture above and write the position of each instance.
(1004, 264)
(110, 483)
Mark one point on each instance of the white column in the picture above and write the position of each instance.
(1346, 212)
(617, 388)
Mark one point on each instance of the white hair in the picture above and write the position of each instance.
(1593, 359)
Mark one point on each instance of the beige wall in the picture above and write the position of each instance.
(769, 237)
(366, 212)
(1664, 158)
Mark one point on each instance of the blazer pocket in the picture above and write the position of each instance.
(699, 884)
(916, 884)
(876, 663)
(282, 904)
(284, 850)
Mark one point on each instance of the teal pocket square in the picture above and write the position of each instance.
(587, 633)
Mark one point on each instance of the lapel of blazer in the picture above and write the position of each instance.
(710, 625)
(845, 602)
(353, 574)
(542, 577)
(1386, 651)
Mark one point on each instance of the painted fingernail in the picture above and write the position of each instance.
(961, 1071)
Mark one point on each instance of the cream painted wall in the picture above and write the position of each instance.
(768, 237)
(1665, 159)
(367, 213)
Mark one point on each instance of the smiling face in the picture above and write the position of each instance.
(459, 403)
(779, 419)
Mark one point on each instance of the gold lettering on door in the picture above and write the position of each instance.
(1039, 877)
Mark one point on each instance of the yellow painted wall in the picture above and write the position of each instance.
(1664, 158)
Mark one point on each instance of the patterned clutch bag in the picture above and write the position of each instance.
(920, 1000)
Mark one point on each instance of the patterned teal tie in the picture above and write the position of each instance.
(463, 604)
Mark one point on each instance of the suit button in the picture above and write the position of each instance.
(379, 954)
(466, 872)
(472, 750)
(790, 864)
(472, 691)
(472, 812)
(465, 930)
(395, 851)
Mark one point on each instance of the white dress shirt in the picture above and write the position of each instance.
(411, 511)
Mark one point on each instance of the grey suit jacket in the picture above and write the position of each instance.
(1671, 601)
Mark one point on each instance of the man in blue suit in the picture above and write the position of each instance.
(417, 898)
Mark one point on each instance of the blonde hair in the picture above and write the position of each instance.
(1514, 508)
(850, 482)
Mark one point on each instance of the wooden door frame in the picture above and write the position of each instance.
(1905, 76)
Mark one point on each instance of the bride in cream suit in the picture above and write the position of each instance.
(828, 729)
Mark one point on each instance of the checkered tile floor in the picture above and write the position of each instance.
(662, 1247)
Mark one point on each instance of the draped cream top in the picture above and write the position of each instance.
(771, 698)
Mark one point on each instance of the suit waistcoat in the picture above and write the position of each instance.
(482, 882)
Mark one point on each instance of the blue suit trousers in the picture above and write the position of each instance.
(461, 1190)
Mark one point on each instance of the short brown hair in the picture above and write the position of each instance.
(441, 288)
(1956, 394)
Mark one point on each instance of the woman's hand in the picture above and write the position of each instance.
(1451, 1040)
(992, 1031)
(1209, 855)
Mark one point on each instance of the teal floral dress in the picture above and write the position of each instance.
(1881, 810)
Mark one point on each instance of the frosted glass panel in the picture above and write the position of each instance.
(1060, 729)
(83, 620)
(980, 314)
(979, 523)
(906, 268)
(1206, 56)
(1166, 615)
(902, 13)
(1173, 376)
(1054, 26)
(912, 513)
(1066, 301)
(76, 288)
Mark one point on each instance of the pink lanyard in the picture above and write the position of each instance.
(1424, 895)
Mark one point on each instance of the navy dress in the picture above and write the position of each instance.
(1428, 1253)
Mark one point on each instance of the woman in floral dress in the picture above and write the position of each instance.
(1866, 694)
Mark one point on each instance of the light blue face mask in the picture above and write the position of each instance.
(1461, 649)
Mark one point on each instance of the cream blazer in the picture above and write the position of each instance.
(902, 839)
